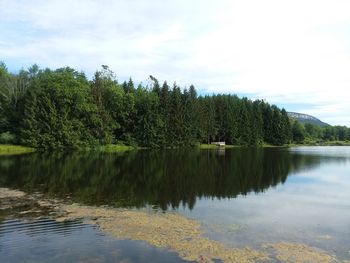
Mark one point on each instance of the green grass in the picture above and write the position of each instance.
(337, 143)
(212, 146)
(112, 148)
(6, 149)
(267, 145)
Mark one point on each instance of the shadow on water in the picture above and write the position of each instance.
(164, 179)
(45, 240)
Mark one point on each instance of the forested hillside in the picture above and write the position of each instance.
(60, 109)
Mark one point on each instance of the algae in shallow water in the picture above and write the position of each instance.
(324, 237)
(233, 227)
(170, 230)
(299, 253)
(8, 193)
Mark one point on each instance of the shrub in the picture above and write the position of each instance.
(7, 138)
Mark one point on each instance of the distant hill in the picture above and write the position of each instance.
(305, 118)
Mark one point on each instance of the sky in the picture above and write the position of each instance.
(295, 54)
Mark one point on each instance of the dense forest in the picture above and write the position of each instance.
(61, 109)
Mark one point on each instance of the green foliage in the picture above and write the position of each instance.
(314, 134)
(61, 109)
(148, 122)
(7, 138)
(313, 131)
(298, 132)
(59, 112)
(115, 148)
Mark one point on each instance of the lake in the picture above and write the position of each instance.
(240, 197)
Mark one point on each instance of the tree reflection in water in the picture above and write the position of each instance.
(164, 179)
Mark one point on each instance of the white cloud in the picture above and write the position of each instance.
(289, 52)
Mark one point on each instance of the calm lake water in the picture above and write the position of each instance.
(241, 196)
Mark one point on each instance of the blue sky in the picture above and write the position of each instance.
(295, 54)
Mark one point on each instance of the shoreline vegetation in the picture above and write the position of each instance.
(111, 148)
(6, 149)
(63, 110)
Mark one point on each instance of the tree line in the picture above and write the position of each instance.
(312, 133)
(61, 109)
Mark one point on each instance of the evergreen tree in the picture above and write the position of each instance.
(177, 130)
(207, 119)
(59, 111)
(192, 114)
(257, 123)
(165, 112)
(148, 122)
(268, 123)
(130, 88)
(298, 132)
(286, 128)
(155, 85)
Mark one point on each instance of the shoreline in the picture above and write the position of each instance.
(8, 149)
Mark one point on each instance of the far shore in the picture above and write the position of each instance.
(7, 149)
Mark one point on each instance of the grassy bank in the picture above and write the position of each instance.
(6, 149)
(337, 143)
(265, 145)
(111, 148)
(212, 146)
